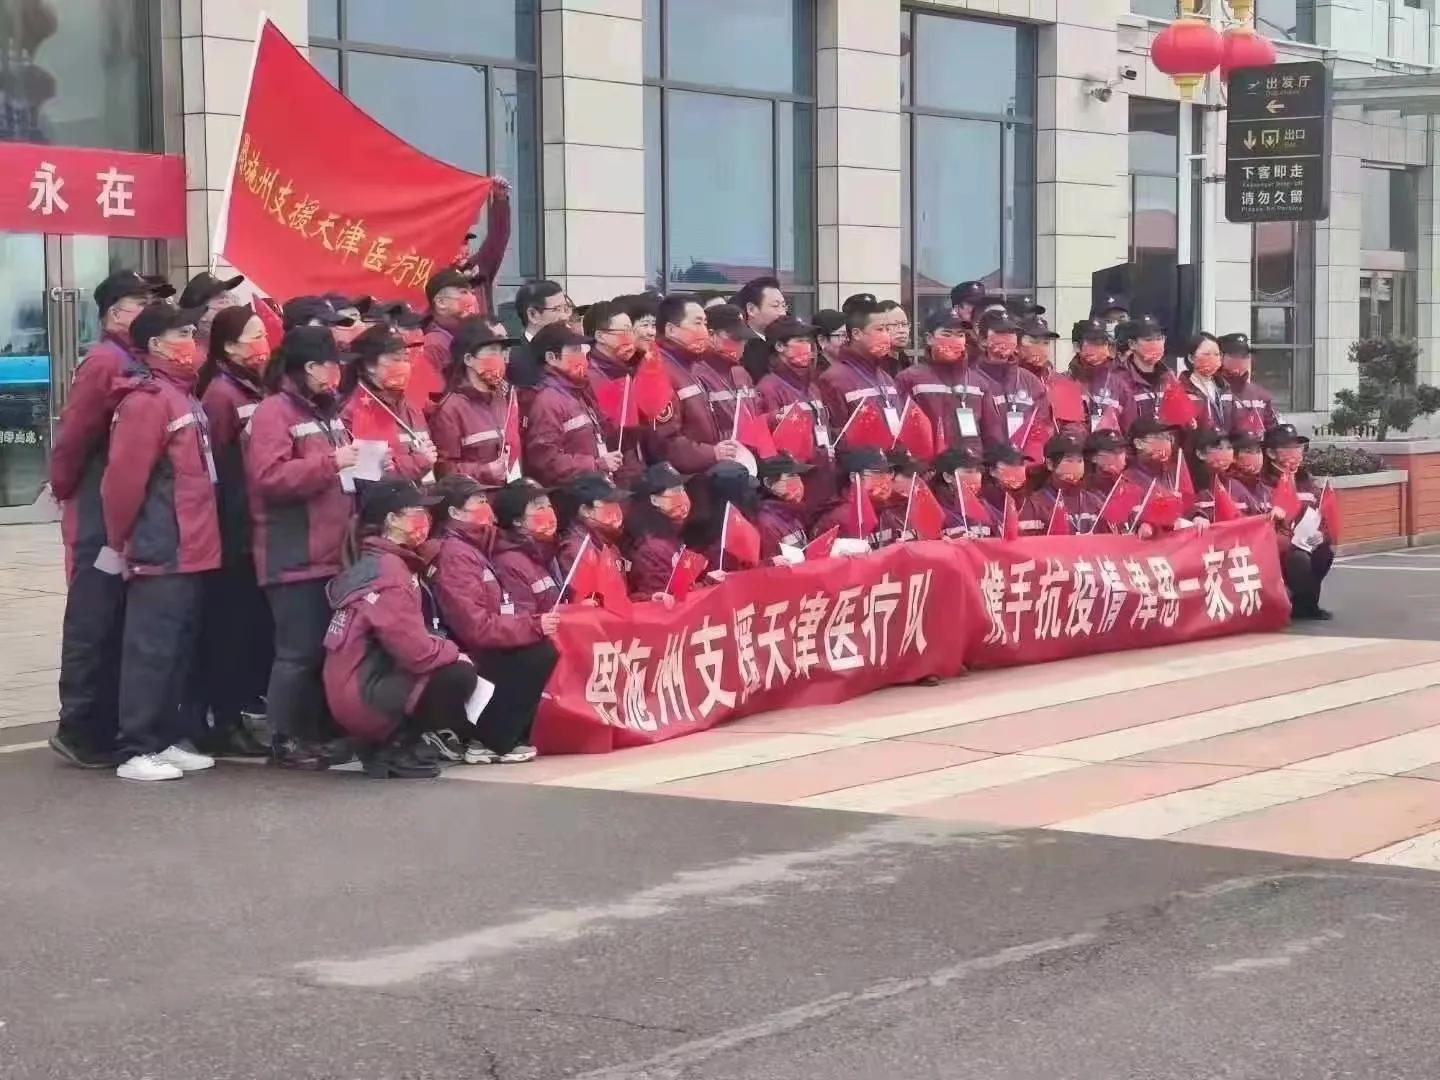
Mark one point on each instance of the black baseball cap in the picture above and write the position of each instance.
(593, 487)
(1245, 440)
(123, 284)
(389, 496)
(955, 459)
(903, 463)
(945, 320)
(1108, 303)
(967, 292)
(156, 318)
(1235, 345)
(303, 345)
(397, 313)
(1002, 453)
(1209, 438)
(302, 310)
(788, 329)
(861, 459)
(553, 338)
(376, 341)
(160, 287)
(1035, 326)
(1091, 329)
(1284, 435)
(446, 279)
(772, 468)
(1144, 326)
(512, 499)
(998, 322)
(828, 321)
(1023, 306)
(1145, 426)
(1059, 446)
(475, 333)
(1107, 440)
(657, 478)
(204, 287)
(729, 319)
(455, 490)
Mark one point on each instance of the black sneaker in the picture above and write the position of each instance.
(401, 763)
(82, 756)
(446, 744)
(1312, 614)
(309, 757)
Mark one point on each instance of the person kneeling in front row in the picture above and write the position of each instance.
(508, 641)
(391, 674)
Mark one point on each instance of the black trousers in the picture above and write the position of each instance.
(162, 618)
(237, 646)
(519, 676)
(297, 710)
(442, 704)
(91, 635)
(1304, 572)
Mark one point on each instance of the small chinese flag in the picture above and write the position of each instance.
(1225, 508)
(1184, 482)
(689, 565)
(794, 434)
(973, 510)
(925, 517)
(1031, 437)
(1066, 400)
(819, 548)
(1108, 420)
(1330, 513)
(1162, 509)
(269, 315)
(866, 428)
(752, 432)
(1120, 503)
(1010, 520)
(512, 438)
(1285, 498)
(583, 581)
(917, 434)
(1251, 423)
(1176, 408)
(652, 390)
(1059, 519)
(741, 540)
(863, 518)
(371, 421)
(610, 584)
(615, 399)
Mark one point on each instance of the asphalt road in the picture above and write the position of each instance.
(250, 924)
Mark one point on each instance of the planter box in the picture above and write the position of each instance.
(1373, 511)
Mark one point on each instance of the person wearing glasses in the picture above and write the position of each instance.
(538, 303)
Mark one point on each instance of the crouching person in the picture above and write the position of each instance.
(391, 674)
(509, 643)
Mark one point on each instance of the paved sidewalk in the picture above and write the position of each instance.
(32, 597)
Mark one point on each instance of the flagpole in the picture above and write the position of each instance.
(909, 502)
(846, 427)
(1059, 502)
(222, 222)
(624, 412)
(724, 534)
(1140, 510)
(584, 546)
(1099, 517)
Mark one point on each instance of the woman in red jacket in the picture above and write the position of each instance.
(652, 530)
(525, 548)
(509, 646)
(296, 454)
(591, 509)
(373, 388)
(237, 635)
(391, 673)
(469, 424)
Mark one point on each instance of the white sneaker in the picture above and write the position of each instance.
(479, 754)
(148, 767)
(519, 755)
(185, 760)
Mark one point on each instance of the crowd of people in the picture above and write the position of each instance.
(340, 522)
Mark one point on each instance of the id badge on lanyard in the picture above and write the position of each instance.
(892, 418)
(507, 606)
(1014, 420)
(965, 420)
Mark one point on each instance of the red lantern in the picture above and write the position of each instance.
(1242, 48)
(1187, 50)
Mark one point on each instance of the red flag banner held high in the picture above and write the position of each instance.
(917, 433)
(1285, 498)
(81, 192)
(751, 431)
(866, 428)
(742, 539)
(794, 434)
(617, 402)
(336, 203)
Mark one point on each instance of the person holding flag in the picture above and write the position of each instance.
(1210, 460)
(525, 549)
(592, 518)
(1108, 456)
(1247, 484)
(725, 492)
(614, 358)
(376, 408)
(1037, 347)
(857, 376)
(1306, 533)
(1103, 390)
(956, 481)
(1062, 505)
(781, 513)
(452, 299)
(1007, 480)
(1164, 505)
(951, 391)
(1210, 398)
(866, 483)
(1141, 345)
(562, 433)
(1020, 400)
(469, 422)
(906, 473)
(1251, 406)
(658, 510)
(726, 383)
(686, 433)
(789, 399)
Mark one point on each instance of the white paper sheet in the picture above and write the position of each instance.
(475, 704)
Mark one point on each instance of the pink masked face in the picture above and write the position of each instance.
(1070, 471)
(1249, 461)
(1151, 350)
(790, 489)
(948, 350)
(1289, 458)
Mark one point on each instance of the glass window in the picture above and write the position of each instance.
(516, 131)
(82, 72)
(1292, 20)
(748, 44)
(967, 65)
(794, 204)
(654, 191)
(500, 28)
(1282, 314)
(1156, 9)
(327, 62)
(416, 100)
(1388, 210)
(324, 19)
(957, 193)
(1274, 262)
(650, 28)
(1154, 136)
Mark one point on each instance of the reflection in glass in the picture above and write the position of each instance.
(654, 191)
(324, 19)
(419, 100)
(327, 62)
(1275, 262)
(24, 369)
(1274, 369)
(955, 226)
(1292, 20)
(1157, 9)
(1018, 213)
(748, 44)
(1154, 136)
(720, 172)
(516, 153)
(76, 75)
(972, 66)
(498, 28)
(795, 139)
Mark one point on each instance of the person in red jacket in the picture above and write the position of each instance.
(469, 422)
(1108, 455)
(1037, 347)
(391, 674)
(451, 300)
(376, 407)
(653, 521)
(1103, 389)
(1154, 474)
(297, 457)
(726, 383)
(210, 295)
(483, 267)
(162, 530)
(562, 432)
(1064, 484)
(951, 391)
(591, 513)
(613, 357)
(857, 374)
(725, 485)
(1141, 344)
(686, 434)
(1209, 396)
(957, 478)
(1021, 402)
(510, 647)
(526, 547)
(1252, 408)
(236, 631)
(94, 601)
(781, 515)
(866, 486)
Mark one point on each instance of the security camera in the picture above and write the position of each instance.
(1129, 74)
(1105, 90)
(1102, 93)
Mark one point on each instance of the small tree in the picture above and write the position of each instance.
(1388, 396)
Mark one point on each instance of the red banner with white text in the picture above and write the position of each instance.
(82, 192)
(825, 631)
(323, 199)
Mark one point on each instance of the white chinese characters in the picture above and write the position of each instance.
(45, 189)
(115, 192)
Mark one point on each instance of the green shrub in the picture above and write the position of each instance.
(1341, 461)
(1388, 397)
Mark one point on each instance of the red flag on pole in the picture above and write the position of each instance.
(973, 510)
(652, 390)
(1120, 503)
(371, 421)
(1251, 423)
(689, 565)
(794, 434)
(1059, 519)
(739, 539)
(616, 402)
(269, 314)
(924, 516)
(1225, 508)
(863, 518)
(1184, 482)
(581, 582)
(611, 586)
(1030, 439)
(1067, 401)
(866, 427)
(512, 438)
(1285, 498)
(819, 548)
(1009, 518)
(1162, 509)
(917, 434)
(1330, 513)
(1176, 407)
(752, 432)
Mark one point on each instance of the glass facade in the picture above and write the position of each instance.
(456, 79)
(1155, 209)
(1281, 20)
(1282, 312)
(968, 94)
(730, 144)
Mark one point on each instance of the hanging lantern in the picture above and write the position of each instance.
(1187, 50)
(1242, 48)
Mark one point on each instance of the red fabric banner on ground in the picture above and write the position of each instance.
(79, 192)
(335, 203)
(831, 629)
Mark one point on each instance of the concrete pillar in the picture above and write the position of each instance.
(593, 133)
